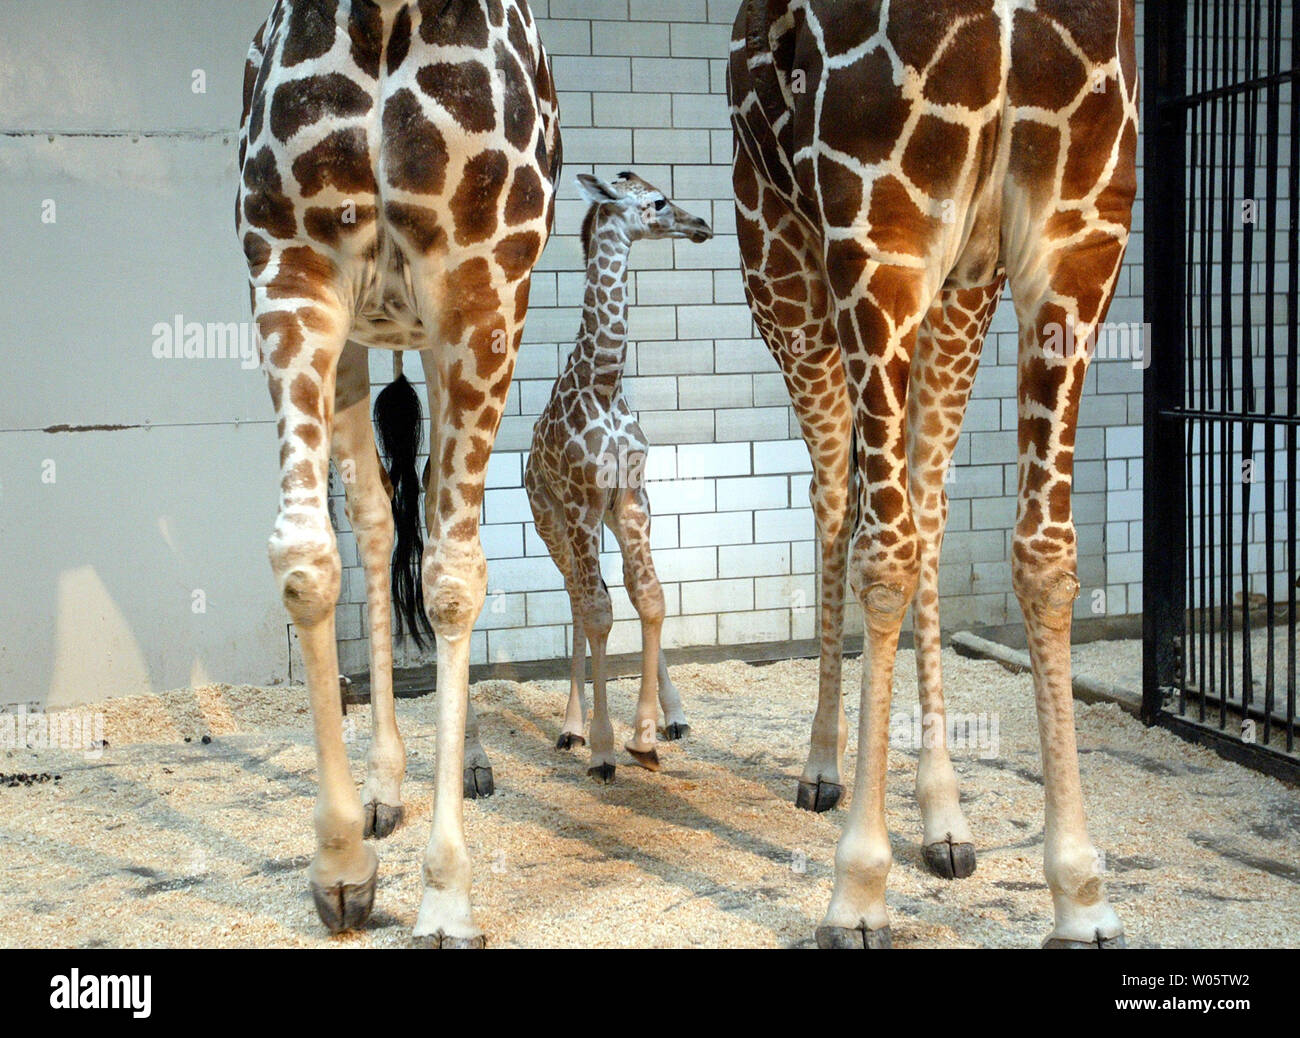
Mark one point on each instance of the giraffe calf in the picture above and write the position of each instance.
(586, 469)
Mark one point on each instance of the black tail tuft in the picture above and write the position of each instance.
(399, 426)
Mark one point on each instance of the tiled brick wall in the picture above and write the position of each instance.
(643, 86)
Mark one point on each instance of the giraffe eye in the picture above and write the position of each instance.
(661, 204)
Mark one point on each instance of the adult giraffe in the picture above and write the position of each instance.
(896, 161)
(398, 169)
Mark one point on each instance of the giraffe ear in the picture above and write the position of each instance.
(595, 190)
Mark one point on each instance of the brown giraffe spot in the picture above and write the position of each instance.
(496, 13)
(257, 117)
(463, 396)
(308, 434)
(474, 205)
(304, 394)
(289, 330)
(471, 494)
(265, 204)
(897, 224)
(329, 226)
(935, 154)
(1083, 273)
(415, 150)
(342, 160)
(419, 225)
(301, 477)
(841, 192)
(516, 253)
(521, 305)
(517, 99)
(366, 30)
(399, 40)
(463, 90)
(303, 274)
(1044, 71)
(1094, 128)
(879, 111)
(458, 24)
(1035, 148)
(258, 254)
(1091, 24)
(310, 33)
(304, 102)
(958, 78)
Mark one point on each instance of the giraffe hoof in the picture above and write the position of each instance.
(859, 938)
(382, 819)
(1098, 942)
(568, 741)
(440, 940)
(950, 860)
(478, 783)
(648, 759)
(818, 796)
(345, 906)
(602, 773)
(673, 732)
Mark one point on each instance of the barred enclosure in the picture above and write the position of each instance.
(1222, 396)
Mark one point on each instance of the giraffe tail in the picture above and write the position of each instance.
(399, 427)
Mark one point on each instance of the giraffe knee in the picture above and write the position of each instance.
(1046, 591)
(885, 584)
(308, 571)
(597, 614)
(455, 587)
(648, 599)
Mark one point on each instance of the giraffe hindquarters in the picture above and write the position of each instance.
(943, 373)
(793, 310)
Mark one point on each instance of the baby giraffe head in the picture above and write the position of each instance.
(641, 209)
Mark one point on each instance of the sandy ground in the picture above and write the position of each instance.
(166, 842)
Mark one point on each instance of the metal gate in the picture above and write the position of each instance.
(1222, 155)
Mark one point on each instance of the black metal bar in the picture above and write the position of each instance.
(1164, 590)
(1181, 414)
(1235, 89)
(1215, 102)
(1233, 748)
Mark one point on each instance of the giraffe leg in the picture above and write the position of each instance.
(370, 514)
(670, 701)
(575, 713)
(943, 372)
(548, 517)
(477, 778)
(304, 324)
(469, 380)
(593, 610)
(1044, 567)
(793, 310)
(878, 323)
(630, 521)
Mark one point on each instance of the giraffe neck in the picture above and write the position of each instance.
(601, 349)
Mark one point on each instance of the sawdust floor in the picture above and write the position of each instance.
(164, 842)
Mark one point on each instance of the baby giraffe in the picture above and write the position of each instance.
(587, 468)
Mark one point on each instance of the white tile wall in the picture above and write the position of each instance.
(643, 86)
